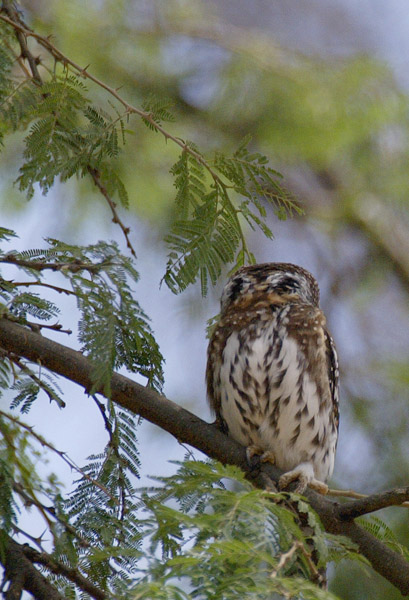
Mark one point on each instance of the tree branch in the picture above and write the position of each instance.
(188, 428)
(22, 575)
(22, 33)
(8, 7)
(363, 506)
(96, 177)
(37, 265)
(58, 568)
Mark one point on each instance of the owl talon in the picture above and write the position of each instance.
(262, 456)
(319, 486)
(268, 457)
(288, 478)
(304, 475)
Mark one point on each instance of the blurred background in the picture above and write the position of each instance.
(322, 87)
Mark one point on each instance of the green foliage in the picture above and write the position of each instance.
(6, 62)
(101, 508)
(24, 304)
(68, 135)
(221, 543)
(113, 329)
(28, 386)
(8, 514)
(383, 532)
(254, 179)
(158, 109)
(207, 230)
(16, 469)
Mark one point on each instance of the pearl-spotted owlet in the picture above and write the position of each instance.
(272, 372)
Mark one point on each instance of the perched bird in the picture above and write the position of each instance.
(272, 372)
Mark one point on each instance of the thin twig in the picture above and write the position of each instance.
(358, 496)
(21, 37)
(74, 267)
(56, 288)
(35, 540)
(112, 205)
(145, 115)
(346, 493)
(55, 327)
(61, 454)
(286, 557)
(31, 500)
(363, 506)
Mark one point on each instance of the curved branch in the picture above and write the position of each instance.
(58, 568)
(96, 177)
(22, 575)
(363, 506)
(188, 428)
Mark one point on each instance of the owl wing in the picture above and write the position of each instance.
(214, 363)
(306, 324)
(333, 374)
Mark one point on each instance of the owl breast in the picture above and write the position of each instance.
(271, 386)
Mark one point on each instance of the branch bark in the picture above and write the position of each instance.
(22, 575)
(59, 569)
(363, 506)
(189, 429)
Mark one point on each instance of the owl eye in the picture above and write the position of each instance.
(288, 283)
(236, 288)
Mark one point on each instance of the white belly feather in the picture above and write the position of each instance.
(267, 403)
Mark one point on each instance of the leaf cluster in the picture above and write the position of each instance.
(67, 134)
(215, 198)
(113, 329)
(210, 206)
(101, 507)
(218, 537)
(16, 467)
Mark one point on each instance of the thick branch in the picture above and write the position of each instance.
(59, 569)
(22, 575)
(188, 428)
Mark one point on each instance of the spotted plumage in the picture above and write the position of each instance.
(272, 371)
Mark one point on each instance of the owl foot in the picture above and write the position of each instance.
(269, 484)
(304, 475)
(262, 455)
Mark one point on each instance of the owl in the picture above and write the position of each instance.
(272, 372)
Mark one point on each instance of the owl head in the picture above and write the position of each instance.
(281, 278)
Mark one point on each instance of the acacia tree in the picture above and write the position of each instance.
(191, 535)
